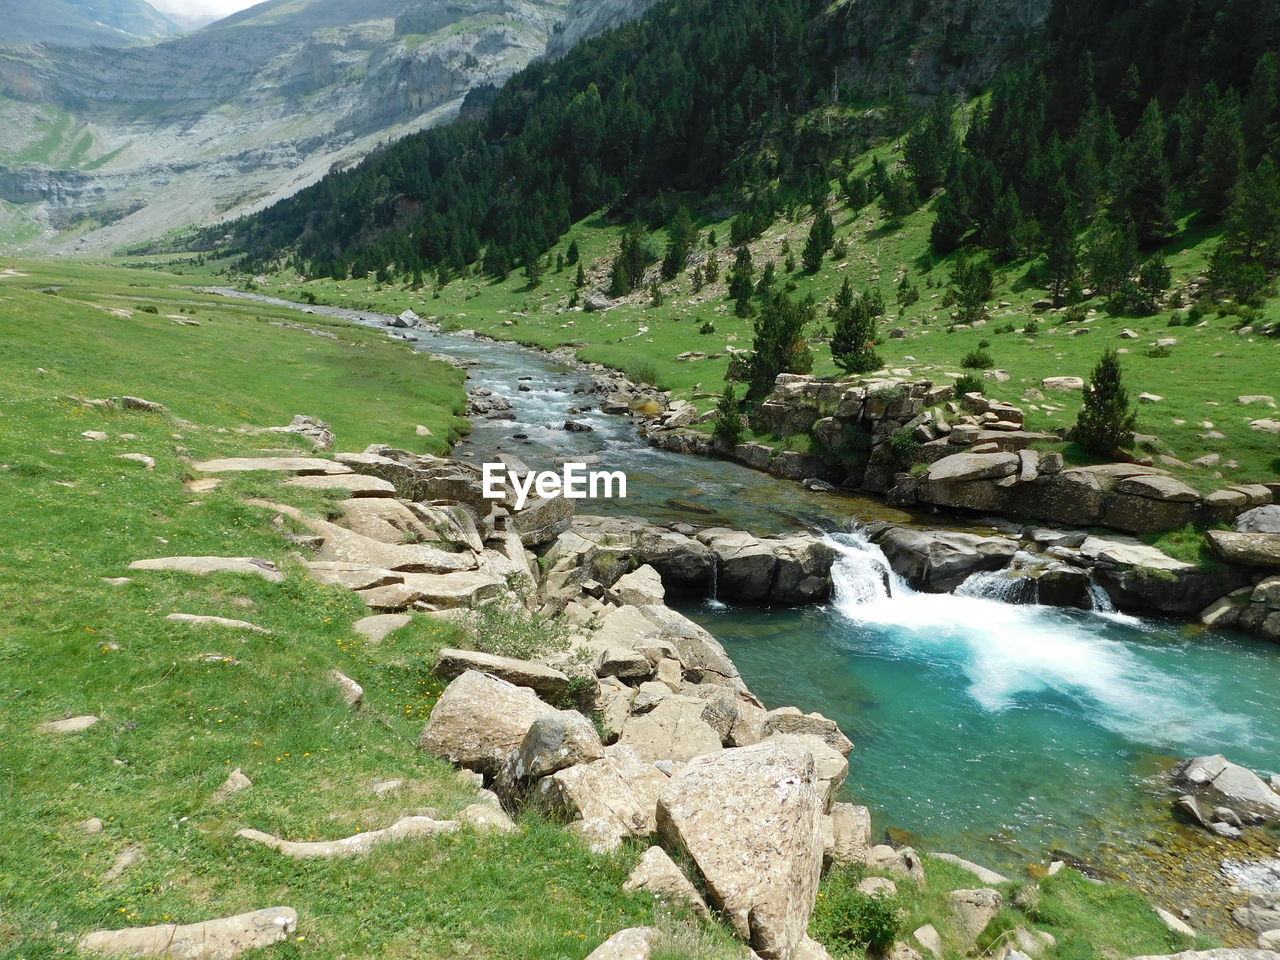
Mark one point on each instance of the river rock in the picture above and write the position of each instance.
(302, 466)
(222, 939)
(974, 909)
(940, 560)
(657, 874)
(750, 819)
(479, 720)
(555, 741)
(640, 587)
(1261, 914)
(1244, 791)
(1250, 549)
(543, 680)
(791, 720)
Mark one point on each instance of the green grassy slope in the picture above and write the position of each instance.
(1198, 381)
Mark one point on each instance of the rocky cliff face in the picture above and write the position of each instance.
(586, 18)
(111, 23)
(103, 152)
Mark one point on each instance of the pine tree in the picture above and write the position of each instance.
(580, 279)
(821, 233)
(1002, 232)
(572, 254)
(620, 279)
(681, 236)
(1106, 420)
(931, 147)
(853, 337)
(951, 225)
(1249, 251)
(972, 281)
(1143, 180)
(780, 345)
(1221, 160)
(1061, 248)
(728, 423)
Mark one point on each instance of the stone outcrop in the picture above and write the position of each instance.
(543, 680)
(750, 819)
(1224, 782)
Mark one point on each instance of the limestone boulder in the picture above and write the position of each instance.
(1260, 520)
(850, 834)
(1248, 549)
(831, 768)
(973, 910)
(608, 800)
(963, 467)
(634, 943)
(790, 720)
(479, 720)
(940, 560)
(657, 874)
(542, 679)
(750, 818)
(556, 741)
(673, 730)
(640, 587)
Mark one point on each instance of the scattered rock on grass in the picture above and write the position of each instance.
(202, 621)
(222, 939)
(234, 783)
(70, 725)
(375, 629)
(201, 566)
(360, 843)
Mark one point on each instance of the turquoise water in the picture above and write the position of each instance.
(1004, 730)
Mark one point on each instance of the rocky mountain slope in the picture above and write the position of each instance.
(104, 152)
(82, 23)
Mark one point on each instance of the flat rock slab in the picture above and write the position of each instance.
(523, 673)
(1158, 488)
(222, 939)
(201, 621)
(70, 725)
(1222, 953)
(353, 576)
(377, 628)
(449, 590)
(202, 566)
(358, 485)
(1250, 549)
(303, 466)
(402, 829)
(982, 873)
(1130, 554)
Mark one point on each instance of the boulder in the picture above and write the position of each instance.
(657, 874)
(221, 939)
(435, 590)
(1260, 520)
(940, 560)
(1248, 549)
(607, 800)
(831, 768)
(555, 741)
(1260, 914)
(750, 819)
(963, 467)
(673, 730)
(989, 877)
(927, 936)
(1243, 790)
(543, 680)
(851, 834)
(479, 720)
(1064, 384)
(974, 909)
(640, 587)
(791, 720)
(634, 943)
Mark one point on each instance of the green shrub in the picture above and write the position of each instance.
(1159, 353)
(846, 919)
(904, 444)
(977, 360)
(707, 328)
(513, 632)
(148, 308)
(641, 370)
(968, 383)
(728, 422)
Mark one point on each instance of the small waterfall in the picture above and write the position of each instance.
(1016, 583)
(713, 598)
(1008, 586)
(861, 573)
(1100, 598)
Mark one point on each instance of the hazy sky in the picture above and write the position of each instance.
(215, 8)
